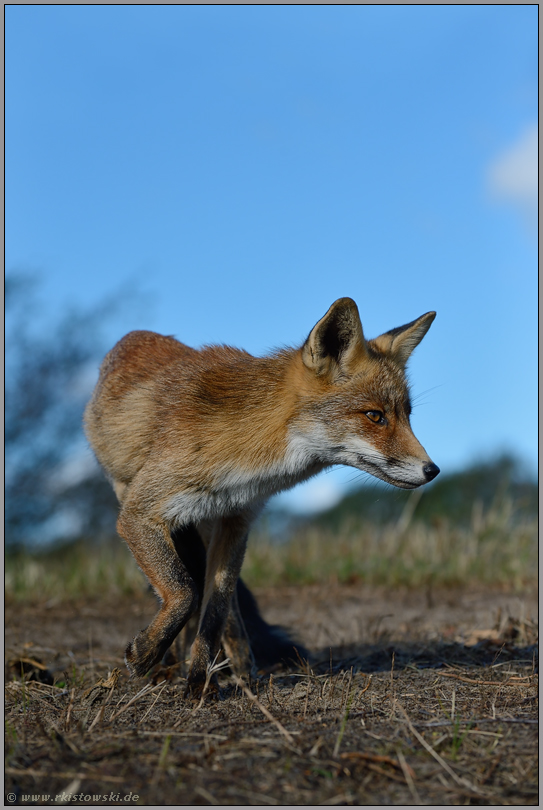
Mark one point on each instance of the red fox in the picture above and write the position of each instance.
(195, 441)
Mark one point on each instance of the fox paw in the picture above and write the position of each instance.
(198, 689)
(138, 658)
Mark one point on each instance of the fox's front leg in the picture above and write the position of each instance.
(154, 551)
(225, 554)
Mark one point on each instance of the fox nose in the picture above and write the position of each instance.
(430, 471)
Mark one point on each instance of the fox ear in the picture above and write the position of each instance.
(402, 341)
(336, 340)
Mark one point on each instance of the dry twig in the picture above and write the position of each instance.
(446, 767)
(265, 712)
(514, 681)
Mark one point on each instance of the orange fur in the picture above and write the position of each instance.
(202, 438)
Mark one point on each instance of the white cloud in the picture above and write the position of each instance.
(513, 175)
(313, 496)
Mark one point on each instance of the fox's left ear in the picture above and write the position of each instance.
(402, 341)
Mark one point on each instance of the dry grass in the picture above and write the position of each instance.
(426, 718)
(494, 549)
(412, 695)
(335, 737)
(78, 569)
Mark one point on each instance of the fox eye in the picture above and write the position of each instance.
(376, 416)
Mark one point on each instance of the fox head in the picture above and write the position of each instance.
(356, 397)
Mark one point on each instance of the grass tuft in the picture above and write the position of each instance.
(495, 549)
(76, 570)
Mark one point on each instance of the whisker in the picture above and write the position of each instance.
(415, 400)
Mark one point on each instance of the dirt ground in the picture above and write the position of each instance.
(408, 698)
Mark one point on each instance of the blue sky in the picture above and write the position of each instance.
(244, 166)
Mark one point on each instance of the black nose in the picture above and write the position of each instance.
(430, 471)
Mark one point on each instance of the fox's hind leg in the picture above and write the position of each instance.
(236, 641)
(155, 553)
(248, 640)
(189, 542)
(190, 547)
(225, 552)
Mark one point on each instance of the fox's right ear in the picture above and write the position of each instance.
(336, 341)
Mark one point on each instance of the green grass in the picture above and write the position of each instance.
(497, 548)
